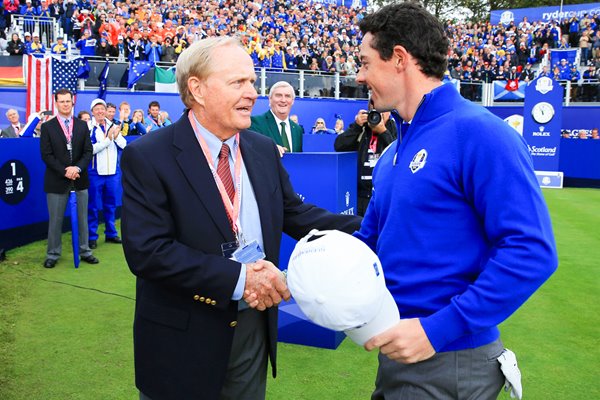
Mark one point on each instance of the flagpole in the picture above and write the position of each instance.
(560, 11)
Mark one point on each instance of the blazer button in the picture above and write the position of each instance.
(196, 297)
(213, 303)
(233, 324)
(208, 300)
(201, 299)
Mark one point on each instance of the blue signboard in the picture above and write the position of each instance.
(542, 121)
(347, 3)
(335, 190)
(544, 14)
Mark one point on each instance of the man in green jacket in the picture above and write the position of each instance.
(276, 122)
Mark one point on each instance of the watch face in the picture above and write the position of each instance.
(542, 112)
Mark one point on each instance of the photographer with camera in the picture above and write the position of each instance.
(369, 134)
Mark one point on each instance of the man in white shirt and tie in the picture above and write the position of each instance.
(66, 151)
(15, 128)
(276, 122)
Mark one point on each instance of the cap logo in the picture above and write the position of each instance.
(418, 161)
(376, 268)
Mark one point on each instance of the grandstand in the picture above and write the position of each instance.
(311, 44)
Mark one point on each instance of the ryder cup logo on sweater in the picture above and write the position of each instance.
(418, 161)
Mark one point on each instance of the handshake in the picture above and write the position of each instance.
(265, 285)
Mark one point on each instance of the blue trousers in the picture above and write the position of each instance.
(103, 196)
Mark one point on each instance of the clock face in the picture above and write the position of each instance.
(542, 112)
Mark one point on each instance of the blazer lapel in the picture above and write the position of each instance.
(195, 168)
(273, 128)
(59, 131)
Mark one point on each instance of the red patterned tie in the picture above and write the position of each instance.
(224, 171)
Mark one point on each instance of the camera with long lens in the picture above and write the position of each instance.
(374, 117)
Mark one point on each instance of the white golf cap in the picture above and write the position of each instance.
(338, 282)
(95, 102)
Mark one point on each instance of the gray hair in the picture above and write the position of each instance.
(282, 84)
(196, 61)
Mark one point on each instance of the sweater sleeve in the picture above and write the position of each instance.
(497, 175)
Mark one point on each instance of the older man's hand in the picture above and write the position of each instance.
(265, 285)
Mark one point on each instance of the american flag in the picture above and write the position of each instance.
(44, 77)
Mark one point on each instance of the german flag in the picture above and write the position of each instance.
(11, 71)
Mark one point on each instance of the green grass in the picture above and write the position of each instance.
(66, 333)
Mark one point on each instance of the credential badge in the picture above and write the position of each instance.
(418, 161)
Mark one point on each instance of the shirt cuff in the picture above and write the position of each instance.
(241, 283)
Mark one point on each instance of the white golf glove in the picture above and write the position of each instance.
(510, 369)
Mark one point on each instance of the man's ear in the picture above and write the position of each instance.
(196, 88)
(400, 55)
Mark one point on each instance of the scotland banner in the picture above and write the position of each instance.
(505, 92)
(542, 122)
(543, 14)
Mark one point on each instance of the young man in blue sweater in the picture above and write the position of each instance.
(456, 217)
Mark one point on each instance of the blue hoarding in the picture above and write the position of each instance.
(544, 14)
(542, 122)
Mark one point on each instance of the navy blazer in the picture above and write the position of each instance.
(173, 224)
(53, 147)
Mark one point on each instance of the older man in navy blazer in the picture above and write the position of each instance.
(193, 193)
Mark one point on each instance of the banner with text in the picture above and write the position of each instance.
(543, 14)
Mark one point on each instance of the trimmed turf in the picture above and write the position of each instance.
(66, 333)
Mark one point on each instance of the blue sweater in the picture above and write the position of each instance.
(464, 237)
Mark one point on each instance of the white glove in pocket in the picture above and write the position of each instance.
(510, 369)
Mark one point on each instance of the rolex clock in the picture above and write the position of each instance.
(542, 112)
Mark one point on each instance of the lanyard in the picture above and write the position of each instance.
(373, 142)
(233, 210)
(67, 131)
(153, 121)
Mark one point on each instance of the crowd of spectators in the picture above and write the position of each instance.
(482, 53)
(298, 35)
(279, 35)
